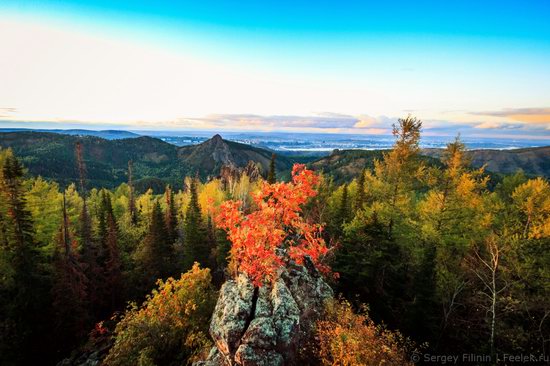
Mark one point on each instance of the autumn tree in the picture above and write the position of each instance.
(454, 213)
(532, 200)
(275, 224)
(398, 171)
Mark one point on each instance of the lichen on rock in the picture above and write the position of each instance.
(265, 326)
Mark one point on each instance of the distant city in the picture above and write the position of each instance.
(307, 144)
(323, 144)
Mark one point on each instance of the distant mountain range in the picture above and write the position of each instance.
(157, 163)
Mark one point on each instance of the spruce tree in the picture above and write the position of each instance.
(112, 269)
(24, 299)
(88, 247)
(155, 255)
(170, 217)
(361, 198)
(344, 211)
(131, 199)
(195, 246)
(272, 176)
(105, 211)
(69, 290)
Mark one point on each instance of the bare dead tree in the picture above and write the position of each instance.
(486, 267)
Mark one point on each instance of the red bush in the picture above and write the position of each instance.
(276, 223)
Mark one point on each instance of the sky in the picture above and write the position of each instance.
(479, 68)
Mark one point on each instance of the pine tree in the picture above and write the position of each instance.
(195, 247)
(272, 176)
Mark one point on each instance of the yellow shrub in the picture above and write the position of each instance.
(350, 339)
(171, 326)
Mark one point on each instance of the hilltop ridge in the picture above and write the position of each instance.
(157, 163)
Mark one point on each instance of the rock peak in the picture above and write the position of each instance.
(217, 138)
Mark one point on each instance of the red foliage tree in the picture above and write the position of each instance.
(275, 224)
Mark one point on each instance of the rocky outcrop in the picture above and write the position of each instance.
(267, 325)
(230, 174)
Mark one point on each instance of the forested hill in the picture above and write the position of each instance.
(155, 162)
(52, 156)
(106, 134)
(533, 161)
(344, 165)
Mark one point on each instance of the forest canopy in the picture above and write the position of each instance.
(437, 252)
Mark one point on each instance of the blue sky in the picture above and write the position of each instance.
(474, 67)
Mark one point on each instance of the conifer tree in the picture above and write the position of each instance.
(131, 199)
(210, 239)
(108, 258)
(105, 211)
(25, 295)
(361, 198)
(88, 247)
(343, 214)
(155, 254)
(344, 209)
(170, 216)
(272, 176)
(112, 269)
(399, 166)
(195, 239)
(69, 289)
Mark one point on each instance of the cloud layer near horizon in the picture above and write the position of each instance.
(505, 123)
